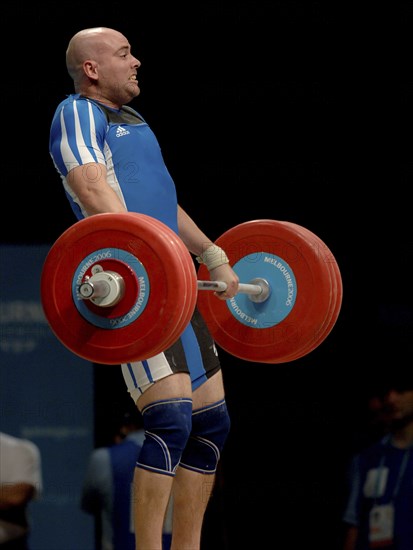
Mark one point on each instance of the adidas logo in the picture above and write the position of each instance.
(121, 131)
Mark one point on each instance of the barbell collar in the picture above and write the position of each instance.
(94, 289)
(103, 288)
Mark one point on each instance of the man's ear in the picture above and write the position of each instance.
(90, 69)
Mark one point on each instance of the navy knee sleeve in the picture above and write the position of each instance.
(210, 428)
(167, 427)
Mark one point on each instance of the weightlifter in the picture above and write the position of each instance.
(109, 160)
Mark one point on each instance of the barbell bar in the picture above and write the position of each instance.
(105, 289)
(257, 289)
(122, 287)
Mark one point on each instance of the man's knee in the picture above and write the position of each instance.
(210, 428)
(167, 425)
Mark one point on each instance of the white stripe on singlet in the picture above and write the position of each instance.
(139, 375)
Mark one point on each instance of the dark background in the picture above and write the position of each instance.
(293, 111)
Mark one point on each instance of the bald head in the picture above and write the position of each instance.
(88, 44)
(101, 64)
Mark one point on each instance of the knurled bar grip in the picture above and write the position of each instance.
(220, 286)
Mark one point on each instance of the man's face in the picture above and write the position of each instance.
(398, 404)
(117, 70)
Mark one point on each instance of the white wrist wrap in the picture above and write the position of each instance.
(213, 257)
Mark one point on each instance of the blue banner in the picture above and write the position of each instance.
(46, 395)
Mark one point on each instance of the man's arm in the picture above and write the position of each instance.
(16, 494)
(197, 242)
(90, 185)
(25, 481)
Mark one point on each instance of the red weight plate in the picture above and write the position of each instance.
(136, 235)
(292, 335)
(326, 286)
(329, 259)
(323, 258)
(339, 300)
(325, 255)
(338, 289)
(186, 298)
(186, 301)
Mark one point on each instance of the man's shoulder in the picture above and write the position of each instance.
(374, 451)
(80, 104)
(137, 437)
(99, 456)
(13, 444)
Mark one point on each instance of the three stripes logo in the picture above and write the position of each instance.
(121, 131)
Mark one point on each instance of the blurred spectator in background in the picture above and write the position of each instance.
(20, 484)
(379, 507)
(108, 486)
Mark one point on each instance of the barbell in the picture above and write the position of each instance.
(118, 288)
